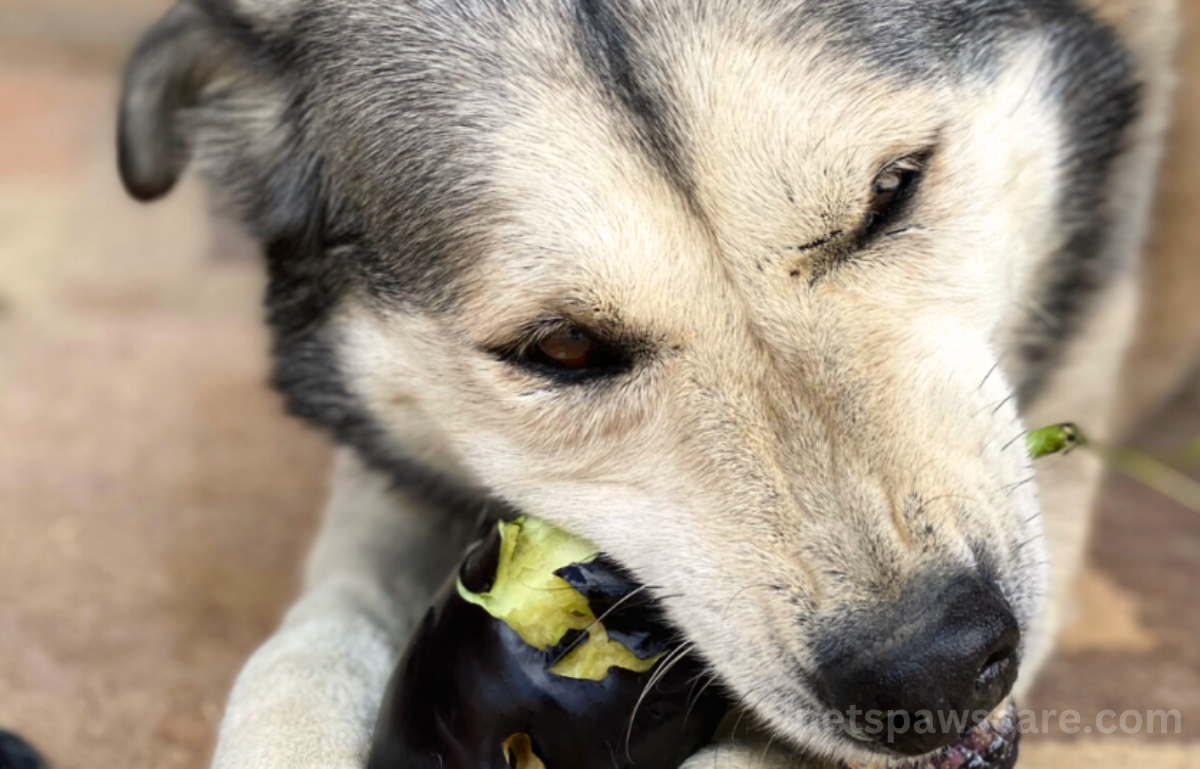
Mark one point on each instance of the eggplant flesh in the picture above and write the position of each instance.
(540, 653)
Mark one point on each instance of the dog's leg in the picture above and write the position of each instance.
(308, 698)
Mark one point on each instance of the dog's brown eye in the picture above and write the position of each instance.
(569, 354)
(886, 190)
(890, 190)
(568, 348)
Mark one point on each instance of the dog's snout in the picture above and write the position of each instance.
(930, 667)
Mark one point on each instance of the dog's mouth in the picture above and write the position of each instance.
(991, 744)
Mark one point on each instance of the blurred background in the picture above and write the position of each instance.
(155, 503)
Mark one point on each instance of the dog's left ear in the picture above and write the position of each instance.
(211, 83)
(167, 75)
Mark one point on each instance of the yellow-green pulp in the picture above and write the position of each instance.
(542, 608)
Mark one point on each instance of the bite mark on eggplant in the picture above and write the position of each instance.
(531, 596)
(628, 611)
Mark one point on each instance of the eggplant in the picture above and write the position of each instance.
(542, 654)
(16, 753)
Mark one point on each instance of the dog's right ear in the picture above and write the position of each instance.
(167, 75)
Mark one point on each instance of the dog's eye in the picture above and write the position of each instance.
(890, 190)
(568, 348)
(567, 353)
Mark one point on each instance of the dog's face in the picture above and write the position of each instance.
(749, 296)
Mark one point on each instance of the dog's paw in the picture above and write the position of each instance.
(307, 699)
(747, 755)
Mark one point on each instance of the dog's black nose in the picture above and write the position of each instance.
(928, 669)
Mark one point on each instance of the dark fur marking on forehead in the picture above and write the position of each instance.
(916, 39)
(607, 49)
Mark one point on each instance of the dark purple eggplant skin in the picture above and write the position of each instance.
(467, 682)
(16, 753)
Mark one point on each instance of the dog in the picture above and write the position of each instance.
(759, 296)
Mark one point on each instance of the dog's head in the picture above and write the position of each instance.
(747, 293)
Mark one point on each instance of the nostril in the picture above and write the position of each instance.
(995, 668)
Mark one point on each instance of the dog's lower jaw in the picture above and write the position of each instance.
(992, 744)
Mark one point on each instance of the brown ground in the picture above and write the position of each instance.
(155, 503)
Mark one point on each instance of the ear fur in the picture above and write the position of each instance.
(166, 76)
(205, 85)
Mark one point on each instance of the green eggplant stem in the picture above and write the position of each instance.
(1053, 439)
(1143, 468)
(1154, 473)
(1189, 455)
